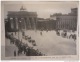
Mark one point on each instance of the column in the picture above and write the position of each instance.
(29, 23)
(34, 20)
(16, 20)
(25, 22)
(11, 23)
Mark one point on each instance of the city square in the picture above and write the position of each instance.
(48, 43)
(30, 33)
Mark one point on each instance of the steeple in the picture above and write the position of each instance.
(22, 8)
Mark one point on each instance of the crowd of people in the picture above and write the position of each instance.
(66, 34)
(22, 47)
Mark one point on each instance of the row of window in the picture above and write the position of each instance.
(66, 22)
(30, 18)
(66, 26)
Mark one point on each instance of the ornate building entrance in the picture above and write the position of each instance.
(20, 20)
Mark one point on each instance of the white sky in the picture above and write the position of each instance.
(43, 9)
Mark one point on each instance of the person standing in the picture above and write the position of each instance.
(28, 51)
(41, 33)
(15, 33)
(15, 53)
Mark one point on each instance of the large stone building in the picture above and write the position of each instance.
(20, 20)
(66, 21)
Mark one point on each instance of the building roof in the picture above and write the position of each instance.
(72, 13)
(74, 8)
(42, 19)
(21, 13)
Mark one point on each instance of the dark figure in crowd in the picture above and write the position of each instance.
(70, 36)
(58, 33)
(12, 34)
(12, 40)
(37, 52)
(7, 35)
(15, 33)
(18, 52)
(74, 37)
(26, 37)
(47, 30)
(23, 33)
(40, 33)
(40, 54)
(21, 40)
(15, 53)
(31, 52)
(24, 48)
(34, 44)
(28, 51)
(29, 37)
(65, 34)
(30, 41)
(17, 42)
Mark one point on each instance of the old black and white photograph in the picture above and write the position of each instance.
(41, 28)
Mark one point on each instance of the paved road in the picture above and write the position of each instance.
(50, 44)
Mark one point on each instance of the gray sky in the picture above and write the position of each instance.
(43, 9)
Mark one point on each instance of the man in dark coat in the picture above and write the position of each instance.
(15, 53)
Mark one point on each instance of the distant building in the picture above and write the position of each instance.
(66, 21)
(20, 20)
(46, 24)
(41, 24)
(74, 11)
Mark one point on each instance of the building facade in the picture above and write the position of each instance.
(46, 24)
(66, 21)
(20, 20)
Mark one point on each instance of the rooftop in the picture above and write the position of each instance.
(20, 13)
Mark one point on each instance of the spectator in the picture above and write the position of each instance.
(40, 33)
(15, 53)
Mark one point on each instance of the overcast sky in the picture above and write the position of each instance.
(43, 9)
